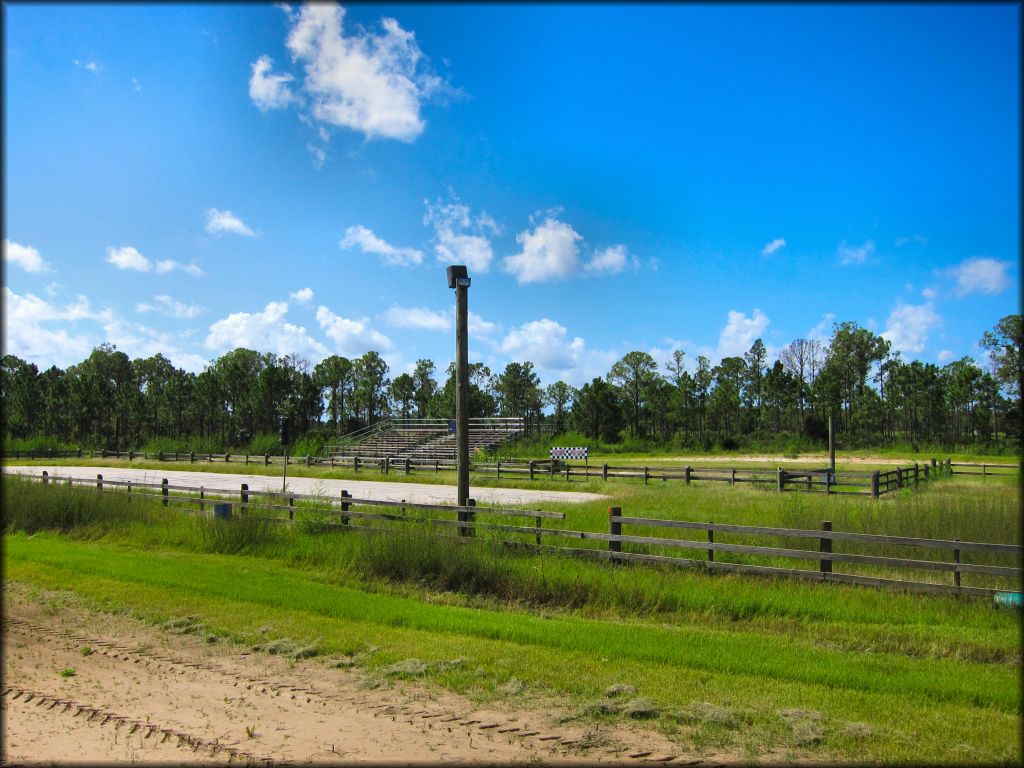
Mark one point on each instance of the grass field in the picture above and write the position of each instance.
(748, 664)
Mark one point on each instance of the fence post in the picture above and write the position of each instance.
(926, 468)
(437, 466)
(467, 516)
(129, 489)
(646, 475)
(686, 474)
(984, 471)
(192, 457)
(604, 472)
(537, 523)
(615, 529)
(933, 466)
(355, 463)
(732, 477)
(99, 482)
(245, 497)
(291, 507)
(309, 461)
(711, 540)
(781, 481)
(202, 497)
(387, 465)
(345, 506)
(46, 477)
(159, 455)
(103, 453)
(163, 490)
(407, 465)
(949, 467)
(874, 485)
(956, 566)
(266, 459)
(916, 475)
(566, 470)
(825, 545)
(131, 455)
(79, 453)
(498, 465)
(531, 469)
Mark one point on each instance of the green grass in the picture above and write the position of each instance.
(916, 707)
(895, 677)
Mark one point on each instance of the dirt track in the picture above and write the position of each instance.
(143, 694)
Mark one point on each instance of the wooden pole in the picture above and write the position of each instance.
(345, 506)
(163, 490)
(874, 485)
(614, 528)
(825, 546)
(711, 540)
(462, 391)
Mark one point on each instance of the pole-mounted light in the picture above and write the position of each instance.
(459, 280)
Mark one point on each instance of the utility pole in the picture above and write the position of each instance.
(459, 279)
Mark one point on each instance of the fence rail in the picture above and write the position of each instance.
(874, 483)
(661, 548)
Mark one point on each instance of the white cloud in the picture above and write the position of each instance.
(901, 241)
(136, 85)
(417, 317)
(549, 252)
(26, 257)
(169, 265)
(980, 275)
(929, 293)
(92, 66)
(27, 331)
(478, 326)
(908, 326)
(546, 344)
(351, 338)
(823, 330)
(370, 83)
(459, 237)
(137, 340)
(225, 221)
(266, 90)
(127, 257)
(855, 254)
(302, 296)
(265, 331)
(612, 261)
(740, 332)
(368, 242)
(170, 307)
(773, 246)
(944, 355)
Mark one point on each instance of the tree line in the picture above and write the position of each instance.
(874, 397)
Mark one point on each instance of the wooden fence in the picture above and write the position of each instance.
(874, 483)
(822, 555)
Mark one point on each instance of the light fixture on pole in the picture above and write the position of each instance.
(459, 280)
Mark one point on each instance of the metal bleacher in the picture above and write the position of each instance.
(425, 439)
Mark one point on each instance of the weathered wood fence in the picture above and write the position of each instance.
(874, 483)
(821, 555)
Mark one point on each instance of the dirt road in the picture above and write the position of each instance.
(361, 489)
(83, 686)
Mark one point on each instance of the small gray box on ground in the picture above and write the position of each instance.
(222, 511)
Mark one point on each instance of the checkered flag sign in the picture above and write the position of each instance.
(569, 453)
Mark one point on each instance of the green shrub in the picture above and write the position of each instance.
(265, 443)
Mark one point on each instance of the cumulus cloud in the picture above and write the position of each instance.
(169, 265)
(460, 237)
(980, 275)
(165, 305)
(908, 326)
(351, 338)
(773, 246)
(266, 331)
(929, 293)
(740, 333)
(92, 66)
(302, 296)
(269, 91)
(611, 261)
(944, 355)
(417, 317)
(364, 238)
(549, 252)
(478, 326)
(137, 340)
(855, 254)
(372, 83)
(218, 222)
(29, 331)
(26, 257)
(127, 257)
(547, 344)
(823, 330)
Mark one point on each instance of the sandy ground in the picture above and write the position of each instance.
(360, 489)
(143, 694)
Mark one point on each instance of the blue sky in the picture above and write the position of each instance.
(190, 178)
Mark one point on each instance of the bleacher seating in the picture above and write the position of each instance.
(426, 439)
